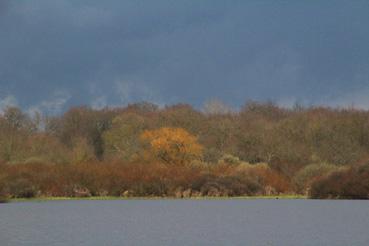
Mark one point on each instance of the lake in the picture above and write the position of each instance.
(185, 222)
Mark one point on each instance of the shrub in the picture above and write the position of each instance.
(307, 175)
(230, 159)
(21, 188)
(351, 183)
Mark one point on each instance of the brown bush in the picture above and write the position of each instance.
(307, 175)
(140, 179)
(352, 183)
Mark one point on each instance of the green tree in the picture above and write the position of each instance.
(122, 140)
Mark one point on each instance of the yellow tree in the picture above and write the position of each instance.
(172, 145)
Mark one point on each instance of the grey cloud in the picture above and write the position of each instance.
(4, 6)
(188, 51)
(53, 105)
(7, 101)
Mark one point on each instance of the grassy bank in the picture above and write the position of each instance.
(3, 200)
(109, 198)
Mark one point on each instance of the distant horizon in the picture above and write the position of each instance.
(225, 108)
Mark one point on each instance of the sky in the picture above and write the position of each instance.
(58, 54)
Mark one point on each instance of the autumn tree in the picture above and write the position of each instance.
(172, 145)
(18, 120)
(182, 116)
(82, 151)
(122, 140)
(220, 136)
(15, 128)
(81, 123)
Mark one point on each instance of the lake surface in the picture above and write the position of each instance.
(185, 222)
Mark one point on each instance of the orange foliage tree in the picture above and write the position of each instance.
(172, 145)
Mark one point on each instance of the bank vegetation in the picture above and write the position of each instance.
(142, 150)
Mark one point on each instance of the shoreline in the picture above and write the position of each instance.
(112, 198)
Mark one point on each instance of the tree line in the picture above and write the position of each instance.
(145, 150)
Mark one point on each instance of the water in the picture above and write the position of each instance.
(185, 222)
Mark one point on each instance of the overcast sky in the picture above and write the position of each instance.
(55, 54)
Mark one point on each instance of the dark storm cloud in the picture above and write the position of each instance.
(4, 4)
(58, 53)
